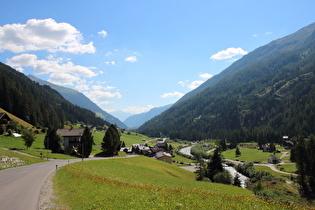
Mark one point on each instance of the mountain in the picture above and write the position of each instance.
(264, 95)
(79, 99)
(138, 119)
(266, 52)
(121, 115)
(38, 104)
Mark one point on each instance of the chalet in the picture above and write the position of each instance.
(273, 159)
(163, 156)
(71, 137)
(4, 118)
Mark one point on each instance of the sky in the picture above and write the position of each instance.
(132, 56)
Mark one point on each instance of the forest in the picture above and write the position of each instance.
(39, 105)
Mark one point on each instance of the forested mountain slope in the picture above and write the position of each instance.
(268, 93)
(138, 119)
(37, 104)
(265, 52)
(77, 98)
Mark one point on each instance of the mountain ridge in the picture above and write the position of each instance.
(79, 99)
(137, 120)
(265, 94)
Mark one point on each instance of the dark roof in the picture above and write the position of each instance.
(3, 114)
(71, 132)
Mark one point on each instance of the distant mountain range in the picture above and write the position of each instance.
(264, 95)
(79, 99)
(137, 120)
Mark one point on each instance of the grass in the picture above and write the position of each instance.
(37, 149)
(249, 155)
(277, 174)
(26, 159)
(140, 182)
(289, 167)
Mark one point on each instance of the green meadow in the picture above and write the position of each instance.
(37, 149)
(249, 155)
(141, 182)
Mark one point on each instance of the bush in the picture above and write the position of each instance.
(223, 177)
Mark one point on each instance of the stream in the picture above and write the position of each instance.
(230, 169)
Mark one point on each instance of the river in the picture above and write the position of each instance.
(230, 169)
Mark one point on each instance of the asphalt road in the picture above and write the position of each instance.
(20, 187)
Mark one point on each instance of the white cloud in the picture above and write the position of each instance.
(44, 34)
(228, 53)
(102, 33)
(268, 33)
(82, 87)
(138, 110)
(195, 84)
(110, 63)
(97, 87)
(131, 59)
(50, 66)
(98, 96)
(205, 76)
(63, 79)
(109, 87)
(173, 94)
(108, 53)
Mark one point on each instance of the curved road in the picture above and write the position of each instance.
(20, 187)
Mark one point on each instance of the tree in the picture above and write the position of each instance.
(237, 181)
(28, 137)
(200, 168)
(85, 148)
(214, 165)
(53, 141)
(237, 151)
(223, 177)
(123, 144)
(111, 141)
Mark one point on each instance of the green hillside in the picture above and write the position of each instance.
(268, 93)
(39, 105)
(140, 183)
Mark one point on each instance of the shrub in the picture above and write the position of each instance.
(223, 177)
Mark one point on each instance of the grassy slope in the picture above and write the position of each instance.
(20, 121)
(138, 183)
(27, 159)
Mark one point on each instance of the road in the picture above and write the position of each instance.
(20, 187)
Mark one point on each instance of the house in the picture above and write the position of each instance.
(266, 147)
(273, 159)
(287, 143)
(4, 118)
(71, 137)
(163, 156)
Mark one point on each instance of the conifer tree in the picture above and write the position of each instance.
(111, 141)
(214, 165)
(85, 148)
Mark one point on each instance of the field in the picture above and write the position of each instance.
(37, 149)
(249, 155)
(140, 182)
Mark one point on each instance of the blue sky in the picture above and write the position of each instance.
(135, 55)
